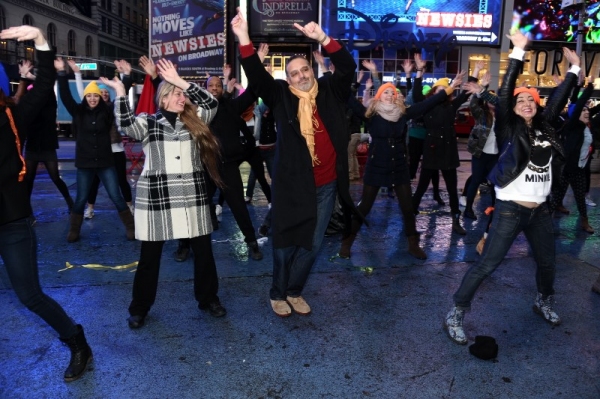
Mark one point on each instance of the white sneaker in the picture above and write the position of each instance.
(89, 213)
(218, 209)
(589, 202)
(131, 208)
(453, 325)
(462, 201)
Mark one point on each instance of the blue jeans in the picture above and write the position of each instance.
(292, 265)
(18, 250)
(268, 157)
(509, 220)
(480, 168)
(108, 177)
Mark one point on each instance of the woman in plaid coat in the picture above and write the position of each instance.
(172, 201)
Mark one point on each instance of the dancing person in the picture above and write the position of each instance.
(387, 164)
(18, 241)
(440, 150)
(311, 160)
(116, 142)
(522, 179)
(42, 140)
(482, 143)
(577, 144)
(93, 120)
(172, 195)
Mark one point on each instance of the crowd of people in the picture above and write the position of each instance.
(197, 138)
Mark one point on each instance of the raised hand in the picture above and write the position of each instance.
(360, 76)
(231, 85)
(369, 84)
(59, 64)
(419, 62)
(312, 30)
(458, 79)
(407, 65)
(114, 83)
(123, 67)
(167, 71)
(486, 79)
(25, 68)
(370, 65)
(571, 56)
(239, 26)
(318, 56)
(263, 51)
(24, 32)
(472, 87)
(148, 66)
(73, 65)
(518, 39)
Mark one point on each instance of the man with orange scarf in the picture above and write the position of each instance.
(311, 158)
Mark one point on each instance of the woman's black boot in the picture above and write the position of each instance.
(81, 355)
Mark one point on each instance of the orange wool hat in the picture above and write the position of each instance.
(534, 93)
(383, 88)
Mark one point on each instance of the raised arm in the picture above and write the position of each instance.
(63, 87)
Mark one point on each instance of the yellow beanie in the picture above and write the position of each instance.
(92, 88)
(445, 82)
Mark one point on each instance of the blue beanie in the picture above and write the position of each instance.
(4, 81)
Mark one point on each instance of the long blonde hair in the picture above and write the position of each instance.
(371, 109)
(210, 153)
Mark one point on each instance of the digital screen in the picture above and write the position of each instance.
(424, 22)
(545, 20)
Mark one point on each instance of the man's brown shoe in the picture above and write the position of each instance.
(299, 305)
(281, 308)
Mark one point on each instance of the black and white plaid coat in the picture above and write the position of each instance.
(171, 198)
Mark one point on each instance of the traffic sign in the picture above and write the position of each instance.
(91, 66)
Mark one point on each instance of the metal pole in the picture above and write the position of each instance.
(582, 13)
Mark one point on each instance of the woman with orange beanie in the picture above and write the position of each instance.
(522, 179)
(387, 164)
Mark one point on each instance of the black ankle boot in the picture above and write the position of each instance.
(81, 355)
(456, 227)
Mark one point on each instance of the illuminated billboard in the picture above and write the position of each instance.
(403, 24)
(190, 34)
(546, 20)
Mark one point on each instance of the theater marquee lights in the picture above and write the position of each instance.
(416, 23)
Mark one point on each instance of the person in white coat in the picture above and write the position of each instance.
(172, 196)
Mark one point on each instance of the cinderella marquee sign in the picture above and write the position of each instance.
(277, 17)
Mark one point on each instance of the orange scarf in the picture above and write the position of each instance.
(18, 141)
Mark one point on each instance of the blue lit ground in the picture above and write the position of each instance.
(375, 330)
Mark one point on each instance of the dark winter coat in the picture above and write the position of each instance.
(41, 135)
(440, 150)
(228, 124)
(573, 131)
(294, 191)
(14, 195)
(92, 129)
(387, 164)
(512, 132)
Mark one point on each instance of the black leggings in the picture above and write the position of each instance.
(52, 168)
(404, 195)
(451, 180)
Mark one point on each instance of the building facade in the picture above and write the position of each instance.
(88, 31)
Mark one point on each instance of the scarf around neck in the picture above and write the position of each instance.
(305, 116)
(389, 112)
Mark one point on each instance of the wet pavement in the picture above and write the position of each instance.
(375, 330)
